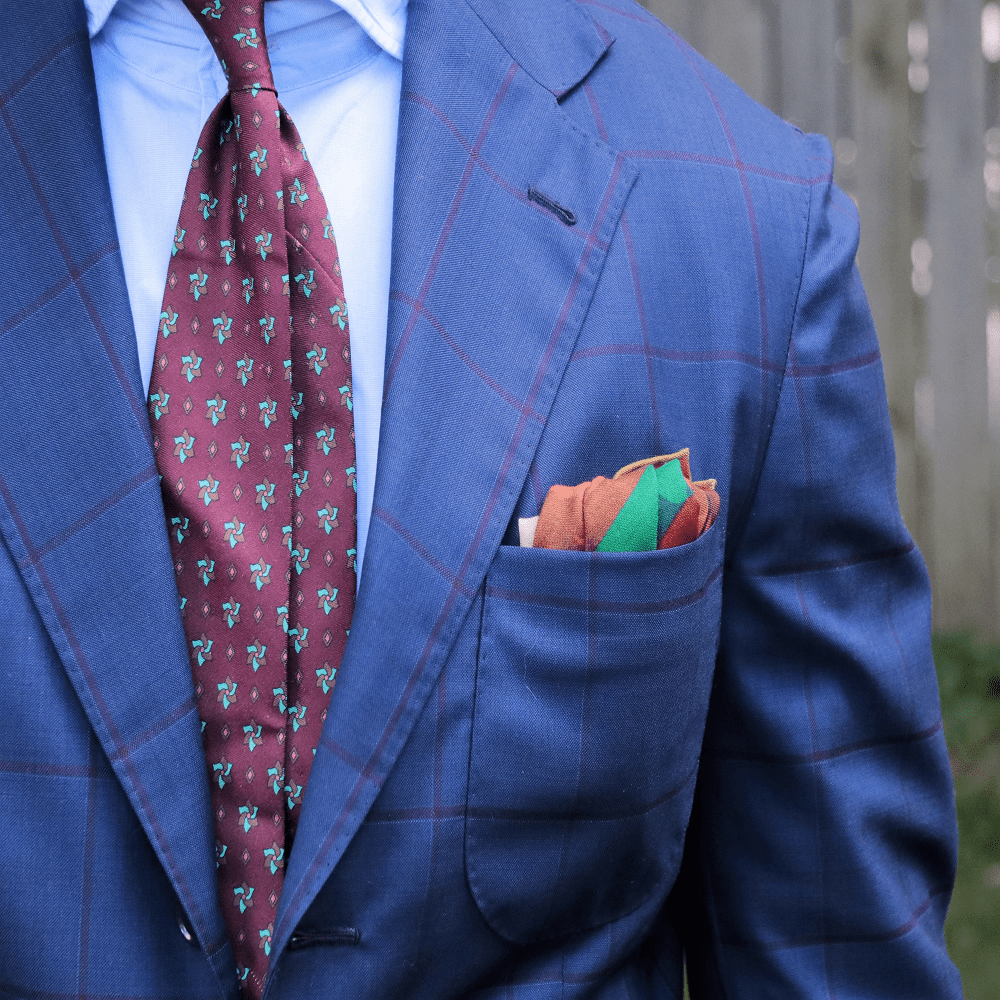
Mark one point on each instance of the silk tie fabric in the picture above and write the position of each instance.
(250, 403)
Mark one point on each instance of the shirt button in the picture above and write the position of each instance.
(184, 929)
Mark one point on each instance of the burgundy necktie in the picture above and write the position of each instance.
(250, 402)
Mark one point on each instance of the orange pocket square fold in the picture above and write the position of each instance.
(650, 504)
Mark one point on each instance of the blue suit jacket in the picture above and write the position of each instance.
(543, 774)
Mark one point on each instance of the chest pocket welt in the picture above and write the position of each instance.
(592, 688)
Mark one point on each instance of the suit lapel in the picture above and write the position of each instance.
(490, 283)
(80, 508)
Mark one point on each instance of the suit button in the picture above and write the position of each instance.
(184, 929)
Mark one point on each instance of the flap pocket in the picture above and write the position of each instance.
(591, 693)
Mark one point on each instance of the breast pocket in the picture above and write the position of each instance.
(592, 688)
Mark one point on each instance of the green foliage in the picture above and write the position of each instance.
(969, 678)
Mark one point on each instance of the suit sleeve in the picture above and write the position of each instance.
(822, 846)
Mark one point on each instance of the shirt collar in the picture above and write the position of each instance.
(384, 21)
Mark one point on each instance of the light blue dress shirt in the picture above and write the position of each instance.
(337, 69)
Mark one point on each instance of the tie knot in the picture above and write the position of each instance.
(236, 31)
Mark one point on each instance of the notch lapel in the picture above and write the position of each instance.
(80, 507)
(490, 284)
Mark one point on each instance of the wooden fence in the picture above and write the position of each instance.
(908, 92)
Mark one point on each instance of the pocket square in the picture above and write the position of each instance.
(650, 504)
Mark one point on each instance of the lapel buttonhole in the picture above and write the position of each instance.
(564, 215)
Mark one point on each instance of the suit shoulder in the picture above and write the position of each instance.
(653, 93)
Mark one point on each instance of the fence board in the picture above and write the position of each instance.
(957, 314)
(809, 66)
(881, 184)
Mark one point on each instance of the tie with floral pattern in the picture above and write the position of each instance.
(252, 415)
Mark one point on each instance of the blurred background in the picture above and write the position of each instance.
(908, 93)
